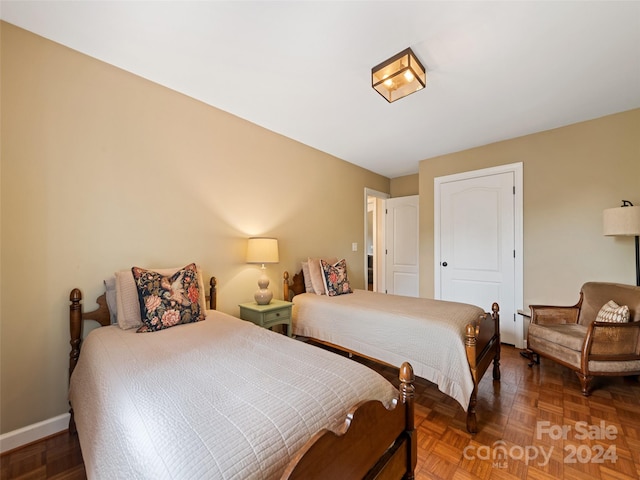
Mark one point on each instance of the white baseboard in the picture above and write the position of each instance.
(32, 433)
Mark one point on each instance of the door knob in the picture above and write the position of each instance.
(444, 264)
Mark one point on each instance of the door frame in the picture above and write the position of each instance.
(378, 266)
(517, 170)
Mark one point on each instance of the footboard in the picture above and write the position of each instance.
(482, 344)
(375, 442)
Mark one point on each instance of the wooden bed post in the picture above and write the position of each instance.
(75, 327)
(407, 394)
(285, 287)
(213, 293)
(495, 308)
(76, 320)
(482, 346)
(75, 331)
(470, 341)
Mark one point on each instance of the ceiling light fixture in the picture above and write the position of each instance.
(398, 76)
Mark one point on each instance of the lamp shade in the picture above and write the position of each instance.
(262, 250)
(398, 76)
(622, 221)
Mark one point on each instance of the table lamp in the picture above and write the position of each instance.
(263, 250)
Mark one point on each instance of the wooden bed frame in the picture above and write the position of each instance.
(374, 443)
(482, 345)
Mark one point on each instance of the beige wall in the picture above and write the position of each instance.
(404, 186)
(102, 170)
(571, 175)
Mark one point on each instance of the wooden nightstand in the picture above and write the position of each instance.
(278, 312)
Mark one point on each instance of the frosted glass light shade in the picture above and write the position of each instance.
(398, 76)
(622, 221)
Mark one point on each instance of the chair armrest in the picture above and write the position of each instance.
(549, 314)
(612, 341)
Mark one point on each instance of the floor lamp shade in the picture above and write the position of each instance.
(624, 221)
(263, 250)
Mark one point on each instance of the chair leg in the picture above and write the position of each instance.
(585, 383)
(530, 355)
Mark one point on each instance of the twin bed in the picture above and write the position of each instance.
(219, 399)
(448, 343)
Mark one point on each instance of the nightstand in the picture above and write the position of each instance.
(278, 312)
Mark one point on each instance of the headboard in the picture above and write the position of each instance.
(295, 288)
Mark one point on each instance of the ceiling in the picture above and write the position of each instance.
(496, 70)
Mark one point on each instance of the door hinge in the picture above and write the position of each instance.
(514, 317)
(514, 254)
(514, 190)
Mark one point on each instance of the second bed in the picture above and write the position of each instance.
(448, 343)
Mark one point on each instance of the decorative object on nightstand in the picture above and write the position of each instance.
(624, 221)
(263, 250)
(278, 312)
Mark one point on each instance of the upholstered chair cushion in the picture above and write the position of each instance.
(563, 341)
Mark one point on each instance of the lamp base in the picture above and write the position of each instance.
(263, 296)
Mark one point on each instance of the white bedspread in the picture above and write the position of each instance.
(427, 333)
(220, 398)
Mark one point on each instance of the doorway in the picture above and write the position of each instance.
(374, 240)
(391, 252)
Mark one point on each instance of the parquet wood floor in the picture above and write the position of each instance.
(534, 424)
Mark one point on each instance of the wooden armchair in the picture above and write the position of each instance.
(572, 337)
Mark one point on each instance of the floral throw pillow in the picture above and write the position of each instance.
(166, 301)
(612, 312)
(335, 278)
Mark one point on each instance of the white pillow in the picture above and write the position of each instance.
(317, 277)
(127, 303)
(110, 287)
(308, 286)
(613, 313)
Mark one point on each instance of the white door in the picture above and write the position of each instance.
(477, 246)
(402, 247)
